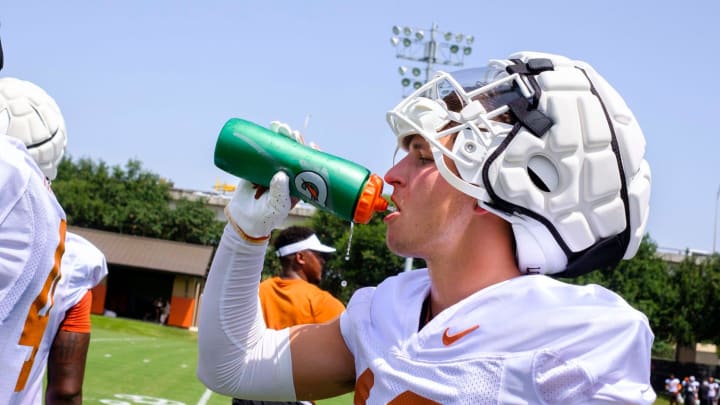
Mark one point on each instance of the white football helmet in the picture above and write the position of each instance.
(28, 113)
(547, 144)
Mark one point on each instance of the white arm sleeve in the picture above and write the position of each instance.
(238, 355)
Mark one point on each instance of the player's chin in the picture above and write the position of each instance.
(395, 242)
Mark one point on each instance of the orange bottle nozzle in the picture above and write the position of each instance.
(370, 200)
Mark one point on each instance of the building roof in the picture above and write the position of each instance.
(149, 253)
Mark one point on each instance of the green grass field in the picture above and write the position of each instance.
(135, 362)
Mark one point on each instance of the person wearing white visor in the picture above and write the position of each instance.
(311, 243)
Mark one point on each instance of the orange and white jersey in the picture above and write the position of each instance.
(528, 340)
(82, 267)
(36, 285)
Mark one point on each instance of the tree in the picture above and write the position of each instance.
(130, 200)
(697, 281)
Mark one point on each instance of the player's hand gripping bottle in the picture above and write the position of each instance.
(328, 182)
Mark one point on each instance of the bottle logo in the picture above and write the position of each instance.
(312, 187)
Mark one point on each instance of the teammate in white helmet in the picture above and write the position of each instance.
(46, 273)
(530, 166)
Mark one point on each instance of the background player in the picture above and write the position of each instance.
(46, 273)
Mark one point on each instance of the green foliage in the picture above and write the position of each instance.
(193, 222)
(130, 200)
(698, 301)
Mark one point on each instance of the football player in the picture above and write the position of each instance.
(530, 167)
(46, 273)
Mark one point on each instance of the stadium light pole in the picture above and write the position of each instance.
(717, 198)
(437, 48)
(429, 48)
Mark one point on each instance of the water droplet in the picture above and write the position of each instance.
(347, 253)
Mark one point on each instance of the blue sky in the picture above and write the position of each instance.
(156, 80)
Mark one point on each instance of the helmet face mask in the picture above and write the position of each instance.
(545, 143)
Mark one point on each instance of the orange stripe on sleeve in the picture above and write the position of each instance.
(77, 318)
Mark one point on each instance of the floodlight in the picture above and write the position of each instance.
(428, 46)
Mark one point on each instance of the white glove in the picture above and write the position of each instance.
(255, 211)
(284, 129)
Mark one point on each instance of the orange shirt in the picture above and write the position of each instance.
(295, 301)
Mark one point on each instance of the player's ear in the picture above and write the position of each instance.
(300, 257)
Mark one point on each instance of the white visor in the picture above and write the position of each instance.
(311, 243)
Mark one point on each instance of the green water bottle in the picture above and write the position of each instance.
(255, 153)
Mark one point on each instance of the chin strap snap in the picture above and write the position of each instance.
(525, 112)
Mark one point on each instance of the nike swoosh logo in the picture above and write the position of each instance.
(449, 339)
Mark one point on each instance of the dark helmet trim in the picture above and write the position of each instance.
(44, 141)
(510, 208)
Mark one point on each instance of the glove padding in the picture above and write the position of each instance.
(257, 210)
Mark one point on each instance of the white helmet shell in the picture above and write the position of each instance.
(28, 113)
(547, 144)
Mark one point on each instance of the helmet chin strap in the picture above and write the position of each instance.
(539, 254)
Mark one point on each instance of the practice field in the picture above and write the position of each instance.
(135, 362)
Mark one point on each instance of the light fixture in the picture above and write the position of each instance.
(428, 47)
